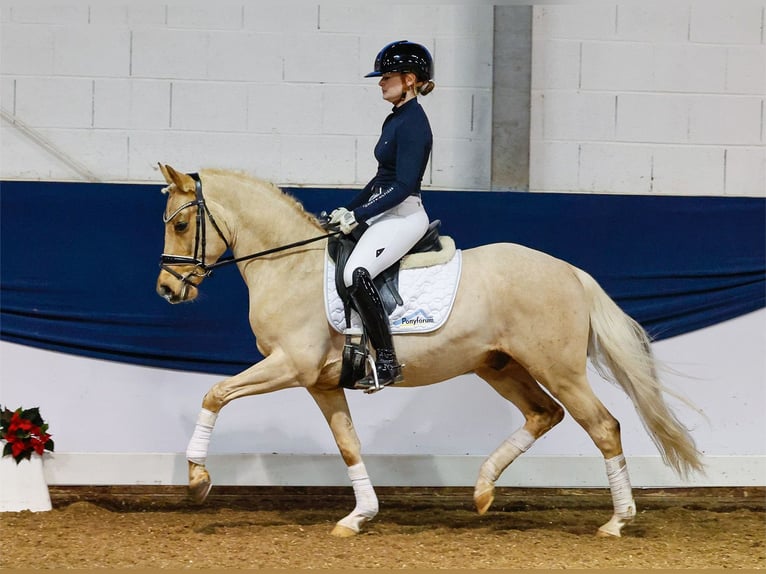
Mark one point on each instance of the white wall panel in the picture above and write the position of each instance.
(244, 56)
(460, 164)
(745, 171)
(26, 50)
(579, 116)
(351, 110)
(209, 106)
(727, 22)
(300, 67)
(616, 66)
(458, 114)
(689, 170)
(45, 102)
(73, 52)
(306, 58)
(61, 13)
(688, 68)
(652, 21)
(131, 104)
(746, 70)
(687, 78)
(254, 153)
(725, 120)
(464, 62)
(274, 17)
(652, 118)
(583, 21)
(208, 16)
(557, 66)
(544, 155)
(308, 158)
(630, 168)
(101, 151)
(7, 93)
(285, 108)
(24, 156)
(177, 54)
(127, 14)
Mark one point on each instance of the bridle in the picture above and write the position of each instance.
(202, 268)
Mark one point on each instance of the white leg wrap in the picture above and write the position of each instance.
(622, 497)
(516, 444)
(196, 451)
(366, 500)
(619, 485)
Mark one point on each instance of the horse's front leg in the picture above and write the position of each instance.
(273, 373)
(335, 409)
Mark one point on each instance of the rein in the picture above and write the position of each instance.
(198, 259)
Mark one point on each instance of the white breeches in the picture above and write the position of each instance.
(390, 236)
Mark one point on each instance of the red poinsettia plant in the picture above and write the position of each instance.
(24, 432)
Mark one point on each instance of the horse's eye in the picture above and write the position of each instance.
(181, 226)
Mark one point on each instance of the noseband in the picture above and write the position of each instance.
(201, 268)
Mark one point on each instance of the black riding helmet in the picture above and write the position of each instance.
(404, 56)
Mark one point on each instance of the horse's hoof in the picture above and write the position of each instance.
(199, 483)
(198, 492)
(613, 528)
(341, 531)
(483, 497)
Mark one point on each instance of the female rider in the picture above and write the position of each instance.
(389, 209)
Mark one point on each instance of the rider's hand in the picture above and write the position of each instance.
(336, 215)
(347, 222)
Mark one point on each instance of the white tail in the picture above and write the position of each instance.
(620, 350)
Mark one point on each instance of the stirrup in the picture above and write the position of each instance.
(371, 383)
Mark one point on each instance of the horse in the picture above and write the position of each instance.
(528, 336)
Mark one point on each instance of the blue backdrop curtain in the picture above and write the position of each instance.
(78, 264)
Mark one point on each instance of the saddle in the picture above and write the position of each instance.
(339, 249)
(356, 355)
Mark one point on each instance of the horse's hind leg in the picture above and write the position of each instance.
(541, 412)
(576, 395)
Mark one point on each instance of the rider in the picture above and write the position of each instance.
(389, 209)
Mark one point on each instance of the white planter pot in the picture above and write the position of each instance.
(23, 486)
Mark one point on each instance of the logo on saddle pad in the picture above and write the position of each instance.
(418, 318)
(428, 294)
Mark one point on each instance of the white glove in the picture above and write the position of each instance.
(336, 215)
(347, 222)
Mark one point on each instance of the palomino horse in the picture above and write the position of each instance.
(523, 336)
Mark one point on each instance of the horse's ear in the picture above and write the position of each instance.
(165, 174)
(182, 181)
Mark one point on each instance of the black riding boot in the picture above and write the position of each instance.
(370, 307)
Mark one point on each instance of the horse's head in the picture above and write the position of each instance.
(189, 250)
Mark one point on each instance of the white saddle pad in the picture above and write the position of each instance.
(428, 294)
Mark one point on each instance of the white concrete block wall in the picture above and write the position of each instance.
(273, 88)
(649, 98)
(626, 97)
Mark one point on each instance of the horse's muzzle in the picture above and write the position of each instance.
(175, 287)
